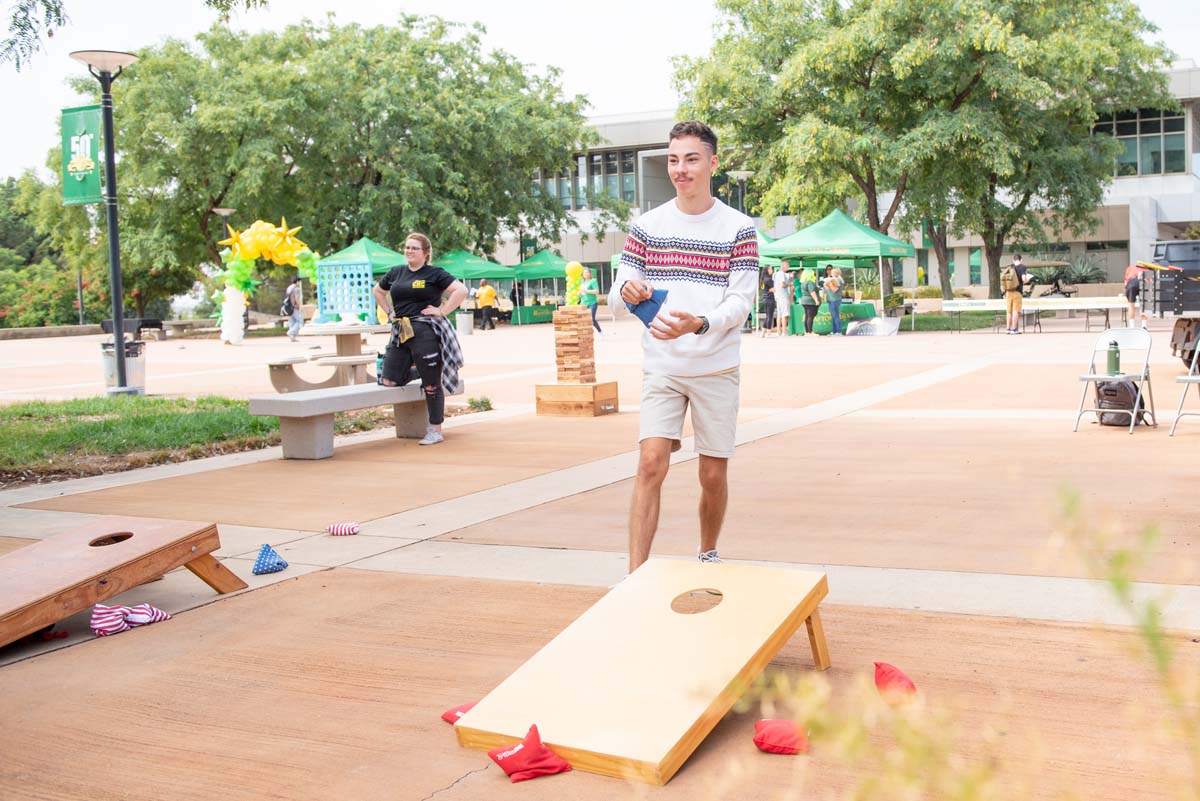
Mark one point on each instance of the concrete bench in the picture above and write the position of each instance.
(176, 327)
(306, 418)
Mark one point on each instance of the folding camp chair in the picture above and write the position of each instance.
(1127, 339)
(1192, 377)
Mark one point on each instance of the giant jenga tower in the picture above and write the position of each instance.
(576, 394)
(574, 347)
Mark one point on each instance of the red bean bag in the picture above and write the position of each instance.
(452, 715)
(780, 737)
(528, 759)
(891, 681)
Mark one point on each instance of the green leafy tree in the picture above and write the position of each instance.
(30, 21)
(347, 131)
(970, 114)
(1035, 164)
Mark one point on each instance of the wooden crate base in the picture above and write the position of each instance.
(577, 400)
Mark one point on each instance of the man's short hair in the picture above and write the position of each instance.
(697, 129)
(1016, 255)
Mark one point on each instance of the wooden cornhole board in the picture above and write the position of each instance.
(53, 579)
(631, 688)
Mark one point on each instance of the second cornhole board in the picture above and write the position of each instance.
(632, 687)
(53, 579)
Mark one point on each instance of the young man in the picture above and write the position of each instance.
(1012, 281)
(705, 255)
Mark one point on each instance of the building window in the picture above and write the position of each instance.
(1114, 245)
(1152, 141)
(596, 171)
(612, 173)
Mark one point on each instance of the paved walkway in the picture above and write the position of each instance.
(919, 471)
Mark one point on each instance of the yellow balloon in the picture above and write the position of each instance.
(574, 270)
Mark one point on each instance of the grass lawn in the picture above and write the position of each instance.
(937, 321)
(60, 439)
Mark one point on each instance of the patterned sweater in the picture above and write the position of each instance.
(708, 263)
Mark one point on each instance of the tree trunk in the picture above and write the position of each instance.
(992, 251)
(937, 238)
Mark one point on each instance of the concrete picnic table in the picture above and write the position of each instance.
(349, 363)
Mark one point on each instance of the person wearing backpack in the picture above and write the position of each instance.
(1012, 281)
(292, 300)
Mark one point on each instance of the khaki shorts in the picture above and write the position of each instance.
(1013, 299)
(714, 402)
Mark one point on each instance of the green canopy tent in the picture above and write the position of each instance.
(468, 267)
(837, 236)
(366, 251)
(541, 265)
(763, 260)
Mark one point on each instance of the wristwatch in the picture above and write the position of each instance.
(703, 329)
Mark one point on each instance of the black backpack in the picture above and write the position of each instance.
(1119, 395)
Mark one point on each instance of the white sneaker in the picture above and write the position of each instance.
(709, 557)
(432, 437)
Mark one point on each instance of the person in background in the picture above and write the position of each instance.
(782, 289)
(766, 301)
(833, 297)
(417, 297)
(589, 295)
(295, 297)
(1012, 281)
(486, 298)
(1133, 287)
(810, 298)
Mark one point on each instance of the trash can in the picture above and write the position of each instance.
(464, 321)
(135, 365)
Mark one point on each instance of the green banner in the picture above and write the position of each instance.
(81, 155)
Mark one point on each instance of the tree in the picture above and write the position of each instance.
(1036, 164)
(917, 107)
(347, 131)
(31, 20)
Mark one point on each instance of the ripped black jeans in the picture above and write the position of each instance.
(424, 352)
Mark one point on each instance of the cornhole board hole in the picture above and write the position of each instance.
(632, 687)
(47, 581)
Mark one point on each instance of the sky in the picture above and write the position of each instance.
(616, 52)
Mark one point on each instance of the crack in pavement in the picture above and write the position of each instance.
(451, 785)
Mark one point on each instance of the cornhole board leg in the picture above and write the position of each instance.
(209, 570)
(816, 638)
(635, 684)
(50, 580)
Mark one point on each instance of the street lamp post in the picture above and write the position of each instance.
(224, 214)
(741, 176)
(106, 66)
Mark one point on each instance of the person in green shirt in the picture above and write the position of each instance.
(590, 293)
(810, 298)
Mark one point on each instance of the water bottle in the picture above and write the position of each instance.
(1114, 358)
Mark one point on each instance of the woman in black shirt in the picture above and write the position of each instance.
(412, 297)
